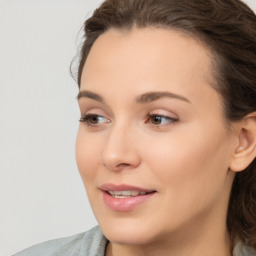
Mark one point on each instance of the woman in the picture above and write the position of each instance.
(167, 142)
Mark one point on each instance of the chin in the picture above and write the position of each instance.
(123, 232)
(127, 238)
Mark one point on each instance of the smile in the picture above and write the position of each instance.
(126, 193)
(124, 198)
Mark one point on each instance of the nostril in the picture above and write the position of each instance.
(114, 167)
(123, 164)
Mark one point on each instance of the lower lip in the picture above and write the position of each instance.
(125, 204)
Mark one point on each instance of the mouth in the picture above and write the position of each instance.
(124, 190)
(123, 198)
(127, 193)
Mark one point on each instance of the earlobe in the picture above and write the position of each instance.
(245, 151)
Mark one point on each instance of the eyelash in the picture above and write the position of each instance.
(88, 118)
(170, 120)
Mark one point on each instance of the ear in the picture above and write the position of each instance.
(245, 152)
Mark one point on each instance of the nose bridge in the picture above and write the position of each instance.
(118, 150)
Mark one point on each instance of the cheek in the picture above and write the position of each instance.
(87, 155)
(190, 161)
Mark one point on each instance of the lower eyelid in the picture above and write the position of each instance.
(86, 117)
(163, 123)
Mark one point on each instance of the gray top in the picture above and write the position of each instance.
(243, 250)
(92, 243)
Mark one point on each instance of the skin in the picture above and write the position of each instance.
(186, 161)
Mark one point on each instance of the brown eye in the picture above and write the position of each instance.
(156, 119)
(92, 119)
(161, 120)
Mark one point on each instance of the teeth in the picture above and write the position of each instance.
(135, 193)
(126, 193)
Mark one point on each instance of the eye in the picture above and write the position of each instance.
(161, 120)
(93, 119)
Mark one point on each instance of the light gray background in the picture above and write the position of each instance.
(41, 194)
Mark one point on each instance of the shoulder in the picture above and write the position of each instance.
(241, 249)
(90, 243)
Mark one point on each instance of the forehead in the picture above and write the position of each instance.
(143, 58)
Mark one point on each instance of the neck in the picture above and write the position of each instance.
(205, 246)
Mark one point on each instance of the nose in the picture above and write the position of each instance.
(119, 151)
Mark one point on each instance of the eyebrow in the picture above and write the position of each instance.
(153, 96)
(90, 95)
(144, 98)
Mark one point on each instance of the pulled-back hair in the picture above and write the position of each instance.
(228, 29)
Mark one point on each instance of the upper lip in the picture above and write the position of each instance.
(123, 187)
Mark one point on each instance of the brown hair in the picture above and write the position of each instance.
(228, 28)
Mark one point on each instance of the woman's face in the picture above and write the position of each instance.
(153, 149)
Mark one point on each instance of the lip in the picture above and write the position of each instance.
(124, 204)
(122, 187)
